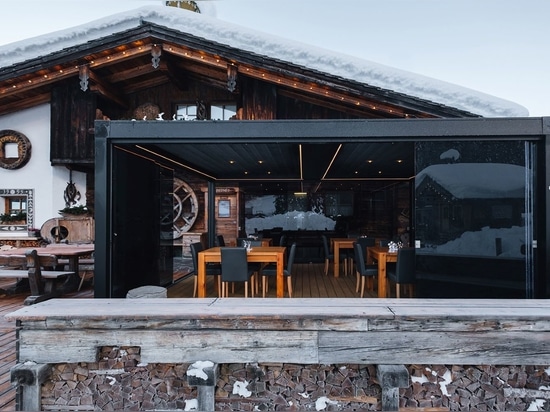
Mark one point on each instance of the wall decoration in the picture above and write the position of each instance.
(23, 149)
(224, 208)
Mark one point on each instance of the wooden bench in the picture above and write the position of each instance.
(39, 270)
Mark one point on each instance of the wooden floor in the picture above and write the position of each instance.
(308, 281)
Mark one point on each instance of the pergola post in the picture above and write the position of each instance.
(391, 378)
(29, 378)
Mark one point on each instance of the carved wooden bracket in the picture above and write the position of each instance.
(84, 76)
(231, 78)
(156, 51)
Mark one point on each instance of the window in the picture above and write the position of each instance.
(16, 201)
(218, 111)
(186, 112)
(222, 111)
(15, 205)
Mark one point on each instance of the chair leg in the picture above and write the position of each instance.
(397, 290)
(195, 284)
(357, 282)
(84, 273)
(326, 267)
(264, 286)
(362, 286)
(289, 285)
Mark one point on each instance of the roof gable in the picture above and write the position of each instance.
(164, 22)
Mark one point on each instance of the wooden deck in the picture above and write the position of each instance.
(308, 281)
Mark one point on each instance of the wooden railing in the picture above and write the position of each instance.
(304, 331)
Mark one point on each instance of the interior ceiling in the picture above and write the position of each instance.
(294, 166)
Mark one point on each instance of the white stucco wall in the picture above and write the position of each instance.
(48, 182)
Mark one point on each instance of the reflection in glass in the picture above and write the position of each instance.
(470, 213)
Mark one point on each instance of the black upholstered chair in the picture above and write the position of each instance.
(271, 270)
(235, 268)
(404, 272)
(362, 270)
(212, 269)
(329, 257)
(220, 241)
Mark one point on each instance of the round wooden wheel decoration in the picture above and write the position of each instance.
(23, 149)
(185, 208)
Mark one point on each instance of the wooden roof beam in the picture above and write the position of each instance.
(21, 104)
(8, 89)
(107, 90)
(113, 58)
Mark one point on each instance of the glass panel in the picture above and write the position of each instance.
(471, 218)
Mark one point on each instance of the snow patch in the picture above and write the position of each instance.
(239, 388)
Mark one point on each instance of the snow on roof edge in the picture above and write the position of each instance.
(313, 57)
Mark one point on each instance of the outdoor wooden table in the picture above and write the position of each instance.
(337, 244)
(383, 256)
(271, 254)
(70, 252)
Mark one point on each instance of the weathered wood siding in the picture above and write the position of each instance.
(309, 331)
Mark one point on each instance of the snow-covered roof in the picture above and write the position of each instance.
(477, 180)
(275, 47)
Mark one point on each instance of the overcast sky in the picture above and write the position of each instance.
(499, 47)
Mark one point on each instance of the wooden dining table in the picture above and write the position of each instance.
(259, 254)
(337, 244)
(382, 255)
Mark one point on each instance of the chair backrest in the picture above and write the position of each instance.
(234, 264)
(405, 267)
(359, 257)
(290, 260)
(366, 242)
(384, 242)
(195, 249)
(220, 240)
(282, 240)
(325, 246)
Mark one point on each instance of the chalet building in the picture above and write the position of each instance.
(173, 127)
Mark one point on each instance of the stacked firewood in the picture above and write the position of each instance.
(118, 381)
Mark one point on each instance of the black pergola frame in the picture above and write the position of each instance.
(109, 134)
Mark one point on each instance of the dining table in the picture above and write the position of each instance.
(71, 252)
(339, 243)
(258, 254)
(382, 255)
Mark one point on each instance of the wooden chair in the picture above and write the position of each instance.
(235, 268)
(220, 241)
(362, 270)
(404, 271)
(364, 242)
(255, 266)
(329, 257)
(212, 269)
(271, 270)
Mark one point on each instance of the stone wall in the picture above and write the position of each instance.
(118, 381)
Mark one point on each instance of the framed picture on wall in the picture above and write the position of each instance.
(224, 208)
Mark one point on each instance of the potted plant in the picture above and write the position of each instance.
(19, 218)
(79, 210)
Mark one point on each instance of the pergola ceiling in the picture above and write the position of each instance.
(296, 166)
